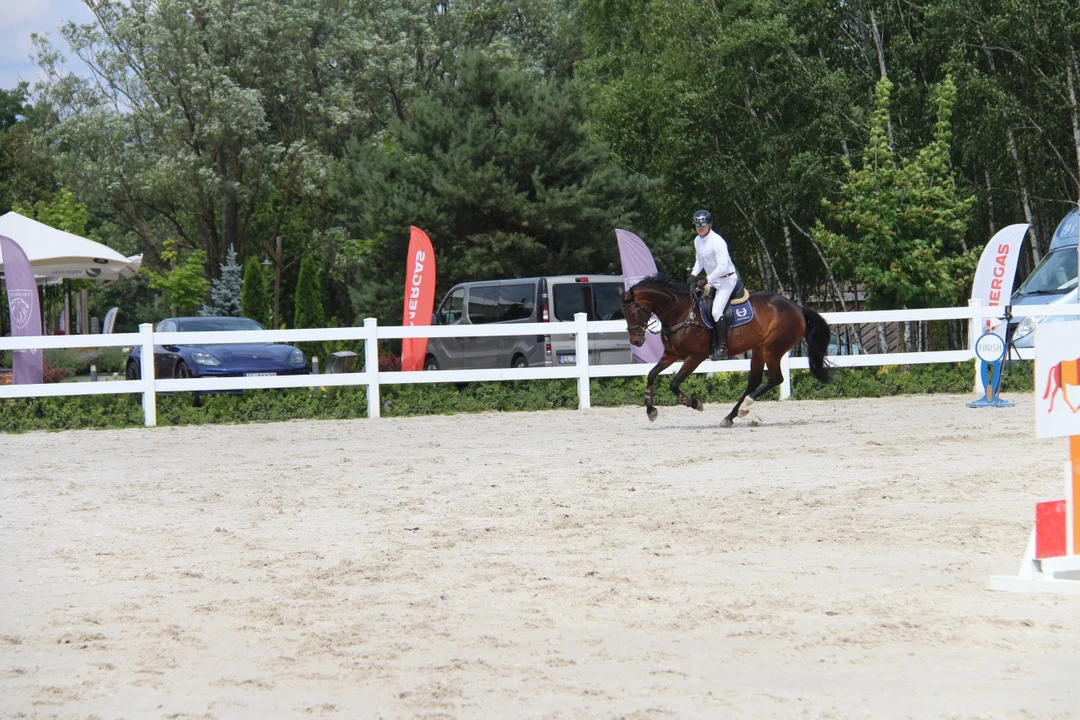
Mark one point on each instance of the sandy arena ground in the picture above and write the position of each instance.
(828, 561)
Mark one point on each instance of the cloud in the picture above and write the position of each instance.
(18, 12)
(19, 20)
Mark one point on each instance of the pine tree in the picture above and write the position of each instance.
(308, 311)
(499, 167)
(225, 291)
(254, 297)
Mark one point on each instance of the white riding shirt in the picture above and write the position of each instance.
(713, 258)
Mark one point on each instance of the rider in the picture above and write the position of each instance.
(712, 257)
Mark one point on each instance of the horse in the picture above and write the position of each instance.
(777, 326)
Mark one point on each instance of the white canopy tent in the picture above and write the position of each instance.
(56, 255)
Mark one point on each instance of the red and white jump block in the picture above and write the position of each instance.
(1051, 561)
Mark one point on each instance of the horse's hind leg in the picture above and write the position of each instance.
(776, 376)
(757, 366)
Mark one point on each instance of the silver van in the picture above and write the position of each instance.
(1052, 282)
(549, 299)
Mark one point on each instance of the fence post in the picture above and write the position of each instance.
(149, 398)
(785, 368)
(371, 366)
(581, 340)
(974, 331)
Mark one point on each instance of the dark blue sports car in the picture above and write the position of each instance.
(230, 360)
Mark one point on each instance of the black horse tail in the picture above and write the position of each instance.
(817, 345)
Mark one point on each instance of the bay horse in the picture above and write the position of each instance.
(777, 326)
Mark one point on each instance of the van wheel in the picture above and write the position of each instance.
(430, 363)
(518, 362)
(132, 371)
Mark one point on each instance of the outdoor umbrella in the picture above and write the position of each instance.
(56, 255)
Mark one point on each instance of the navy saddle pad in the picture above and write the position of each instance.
(735, 315)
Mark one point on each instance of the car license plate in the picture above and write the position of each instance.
(567, 359)
(266, 374)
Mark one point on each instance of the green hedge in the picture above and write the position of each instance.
(115, 411)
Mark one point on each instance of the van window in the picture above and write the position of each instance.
(516, 302)
(1067, 230)
(607, 298)
(571, 299)
(483, 304)
(1055, 275)
(450, 311)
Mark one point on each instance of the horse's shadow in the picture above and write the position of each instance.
(742, 425)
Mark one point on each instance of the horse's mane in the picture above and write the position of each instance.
(664, 280)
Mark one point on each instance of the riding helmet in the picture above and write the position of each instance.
(702, 218)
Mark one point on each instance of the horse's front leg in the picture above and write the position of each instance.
(689, 365)
(665, 361)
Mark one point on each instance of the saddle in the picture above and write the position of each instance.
(739, 311)
(739, 296)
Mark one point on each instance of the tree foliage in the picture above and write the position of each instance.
(757, 108)
(499, 170)
(902, 222)
(25, 174)
(254, 296)
(520, 134)
(12, 107)
(183, 281)
(62, 211)
(203, 121)
(308, 309)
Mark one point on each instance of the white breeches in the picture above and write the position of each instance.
(723, 288)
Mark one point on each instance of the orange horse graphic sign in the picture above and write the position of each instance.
(1057, 376)
(1064, 375)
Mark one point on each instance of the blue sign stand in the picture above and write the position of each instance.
(990, 351)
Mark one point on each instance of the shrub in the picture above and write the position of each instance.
(110, 360)
(76, 362)
(104, 411)
(51, 374)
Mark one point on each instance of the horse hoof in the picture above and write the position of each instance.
(726, 422)
(699, 406)
(652, 414)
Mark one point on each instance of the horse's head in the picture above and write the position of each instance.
(637, 312)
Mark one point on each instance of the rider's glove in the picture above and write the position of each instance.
(708, 288)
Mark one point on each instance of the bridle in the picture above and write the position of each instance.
(639, 326)
(644, 327)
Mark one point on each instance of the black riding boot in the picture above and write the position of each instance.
(719, 339)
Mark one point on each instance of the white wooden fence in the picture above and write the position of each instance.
(371, 333)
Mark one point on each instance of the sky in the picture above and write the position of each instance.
(20, 18)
